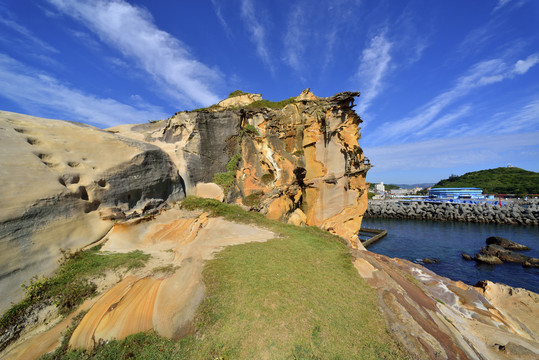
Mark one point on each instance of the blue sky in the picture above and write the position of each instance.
(446, 87)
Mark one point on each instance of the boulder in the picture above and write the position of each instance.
(466, 257)
(505, 243)
(487, 259)
(209, 191)
(297, 218)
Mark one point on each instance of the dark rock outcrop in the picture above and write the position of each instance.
(505, 243)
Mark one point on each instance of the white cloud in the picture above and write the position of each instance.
(449, 152)
(374, 66)
(40, 93)
(11, 23)
(524, 119)
(131, 30)
(295, 38)
(258, 32)
(501, 4)
(522, 66)
(445, 120)
(221, 18)
(481, 74)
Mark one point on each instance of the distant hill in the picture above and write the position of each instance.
(502, 180)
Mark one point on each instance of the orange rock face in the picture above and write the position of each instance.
(151, 300)
(306, 156)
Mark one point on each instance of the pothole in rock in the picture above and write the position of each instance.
(32, 141)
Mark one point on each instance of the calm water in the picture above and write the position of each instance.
(415, 239)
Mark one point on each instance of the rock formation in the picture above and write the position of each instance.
(437, 318)
(303, 158)
(67, 185)
(55, 178)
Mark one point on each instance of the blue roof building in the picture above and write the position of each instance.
(456, 193)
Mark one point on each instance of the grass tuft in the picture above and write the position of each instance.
(71, 284)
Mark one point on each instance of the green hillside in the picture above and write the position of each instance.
(502, 180)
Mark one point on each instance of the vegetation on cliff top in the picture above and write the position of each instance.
(502, 180)
(236, 93)
(295, 297)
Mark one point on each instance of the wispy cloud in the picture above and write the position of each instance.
(522, 66)
(501, 4)
(450, 152)
(131, 30)
(219, 14)
(7, 19)
(481, 74)
(43, 94)
(526, 118)
(258, 33)
(374, 65)
(295, 38)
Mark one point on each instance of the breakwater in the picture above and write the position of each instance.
(511, 213)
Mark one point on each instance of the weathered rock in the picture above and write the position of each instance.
(297, 218)
(466, 257)
(209, 191)
(487, 259)
(55, 177)
(430, 261)
(437, 318)
(505, 243)
(240, 100)
(305, 156)
(506, 255)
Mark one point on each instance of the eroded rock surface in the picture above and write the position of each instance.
(437, 318)
(55, 177)
(165, 294)
(304, 156)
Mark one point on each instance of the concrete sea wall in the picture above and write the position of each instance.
(512, 213)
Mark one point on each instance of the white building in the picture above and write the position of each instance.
(380, 187)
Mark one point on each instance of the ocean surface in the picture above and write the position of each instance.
(415, 240)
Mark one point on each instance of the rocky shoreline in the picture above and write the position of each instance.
(513, 213)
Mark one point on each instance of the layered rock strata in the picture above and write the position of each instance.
(512, 213)
(436, 318)
(55, 179)
(163, 296)
(304, 158)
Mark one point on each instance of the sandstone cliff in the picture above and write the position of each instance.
(55, 178)
(299, 163)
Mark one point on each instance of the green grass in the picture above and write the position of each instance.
(226, 179)
(294, 297)
(270, 104)
(236, 93)
(501, 180)
(71, 284)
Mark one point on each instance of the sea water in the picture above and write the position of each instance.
(415, 240)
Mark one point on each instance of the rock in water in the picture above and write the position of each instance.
(487, 259)
(505, 243)
(466, 257)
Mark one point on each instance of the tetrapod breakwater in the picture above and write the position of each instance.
(516, 213)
